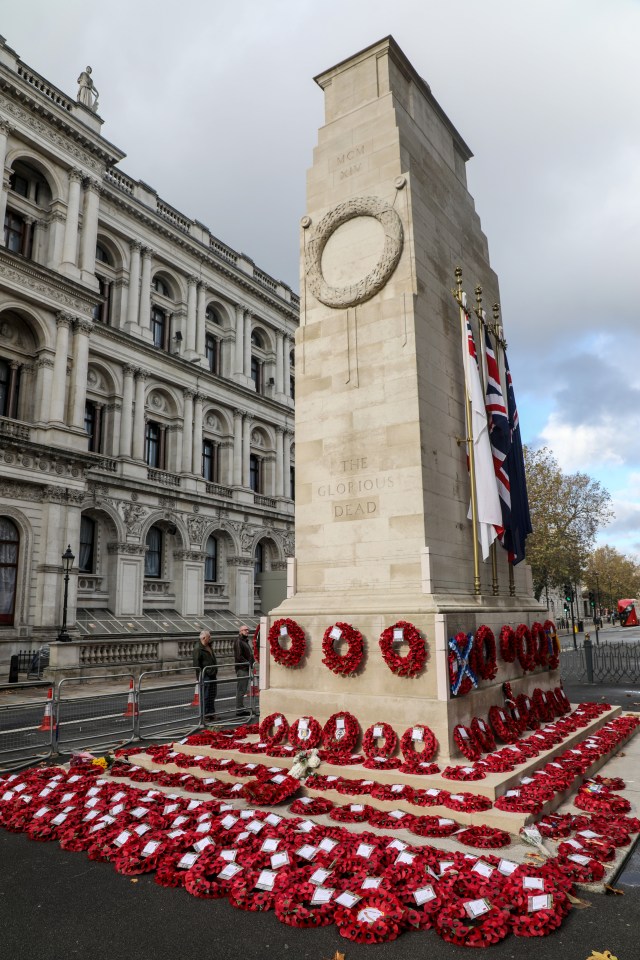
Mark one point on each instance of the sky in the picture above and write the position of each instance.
(215, 106)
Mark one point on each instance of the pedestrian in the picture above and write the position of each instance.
(243, 659)
(204, 660)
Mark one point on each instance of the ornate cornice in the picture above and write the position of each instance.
(39, 281)
(122, 546)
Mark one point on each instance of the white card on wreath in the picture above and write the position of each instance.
(283, 631)
(150, 848)
(187, 861)
(280, 860)
(371, 883)
(476, 908)
(532, 883)
(230, 871)
(424, 895)
(322, 894)
(417, 734)
(542, 902)
(228, 855)
(347, 899)
(377, 732)
(336, 633)
(398, 633)
(266, 880)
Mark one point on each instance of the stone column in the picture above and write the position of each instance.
(127, 411)
(200, 318)
(237, 448)
(5, 130)
(134, 284)
(138, 415)
(191, 314)
(79, 372)
(239, 351)
(187, 431)
(70, 244)
(286, 376)
(144, 312)
(12, 393)
(286, 463)
(90, 226)
(247, 345)
(59, 384)
(247, 421)
(279, 362)
(44, 379)
(56, 237)
(280, 480)
(111, 428)
(196, 461)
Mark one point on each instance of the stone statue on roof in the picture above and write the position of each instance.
(87, 92)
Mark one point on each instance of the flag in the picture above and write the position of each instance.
(499, 431)
(488, 502)
(515, 536)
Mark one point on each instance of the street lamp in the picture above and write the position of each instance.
(67, 561)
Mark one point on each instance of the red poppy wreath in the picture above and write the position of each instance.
(340, 733)
(483, 656)
(346, 664)
(525, 648)
(414, 661)
(287, 628)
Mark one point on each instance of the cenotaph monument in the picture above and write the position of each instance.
(382, 485)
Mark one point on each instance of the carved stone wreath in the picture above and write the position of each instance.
(354, 293)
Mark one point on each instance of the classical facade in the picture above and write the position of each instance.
(146, 392)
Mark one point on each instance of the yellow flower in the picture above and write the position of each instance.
(99, 762)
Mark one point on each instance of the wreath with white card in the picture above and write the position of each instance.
(279, 632)
(403, 632)
(347, 663)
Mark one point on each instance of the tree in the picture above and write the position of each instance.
(567, 510)
(618, 576)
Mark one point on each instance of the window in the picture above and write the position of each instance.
(256, 373)
(160, 328)
(258, 563)
(90, 423)
(292, 387)
(212, 315)
(211, 561)
(87, 545)
(9, 547)
(212, 352)
(153, 556)
(152, 445)
(254, 473)
(17, 234)
(102, 311)
(256, 340)
(19, 184)
(161, 287)
(209, 461)
(292, 482)
(9, 388)
(102, 254)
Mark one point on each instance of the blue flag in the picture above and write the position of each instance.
(515, 536)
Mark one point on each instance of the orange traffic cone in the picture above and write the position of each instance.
(132, 707)
(196, 696)
(47, 719)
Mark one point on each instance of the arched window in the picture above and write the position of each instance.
(9, 547)
(161, 287)
(212, 316)
(256, 340)
(258, 563)
(86, 560)
(212, 352)
(103, 255)
(209, 461)
(153, 445)
(160, 328)
(211, 561)
(153, 556)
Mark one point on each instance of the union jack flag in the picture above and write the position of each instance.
(499, 431)
(515, 536)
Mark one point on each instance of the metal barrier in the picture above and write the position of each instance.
(170, 707)
(96, 719)
(26, 725)
(609, 663)
(161, 704)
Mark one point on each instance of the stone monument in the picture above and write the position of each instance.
(382, 487)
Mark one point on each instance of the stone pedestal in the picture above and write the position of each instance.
(382, 489)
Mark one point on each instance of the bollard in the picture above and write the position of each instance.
(14, 663)
(588, 656)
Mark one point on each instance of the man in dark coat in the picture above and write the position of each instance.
(204, 659)
(243, 659)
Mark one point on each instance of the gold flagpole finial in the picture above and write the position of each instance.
(458, 292)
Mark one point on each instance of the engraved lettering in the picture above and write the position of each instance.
(363, 509)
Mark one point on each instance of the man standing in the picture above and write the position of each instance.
(204, 659)
(243, 659)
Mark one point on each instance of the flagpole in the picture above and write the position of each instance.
(500, 345)
(483, 366)
(460, 298)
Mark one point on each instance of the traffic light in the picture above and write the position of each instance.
(568, 593)
(592, 598)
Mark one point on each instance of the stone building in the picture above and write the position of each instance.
(146, 394)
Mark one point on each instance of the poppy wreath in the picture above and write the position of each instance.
(518, 804)
(420, 915)
(488, 838)
(386, 791)
(350, 733)
(347, 664)
(294, 907)
(202, 880)
(347, 813)
(314, 808)
(601, 803)
(425, 798)
(385, 820)
(536, 923)
(524, 706)
(314, 734)
(268, 793)
(412, 664)
(427, 826)
(370, 742)
(601, 849)
(414, 758)
(525, 648)
(573, 866)
(467, 802)
(483, 654)
(540, 643)
(553, 644)
(464, 773)
(556, 825)
(244, 895)
(466, 742)
(483, 735)
(377, 917)
(503, 725)
(452, 923)
(295, 653)
(507, 641)
(543, 708)
(611, 783)
(462, 679)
